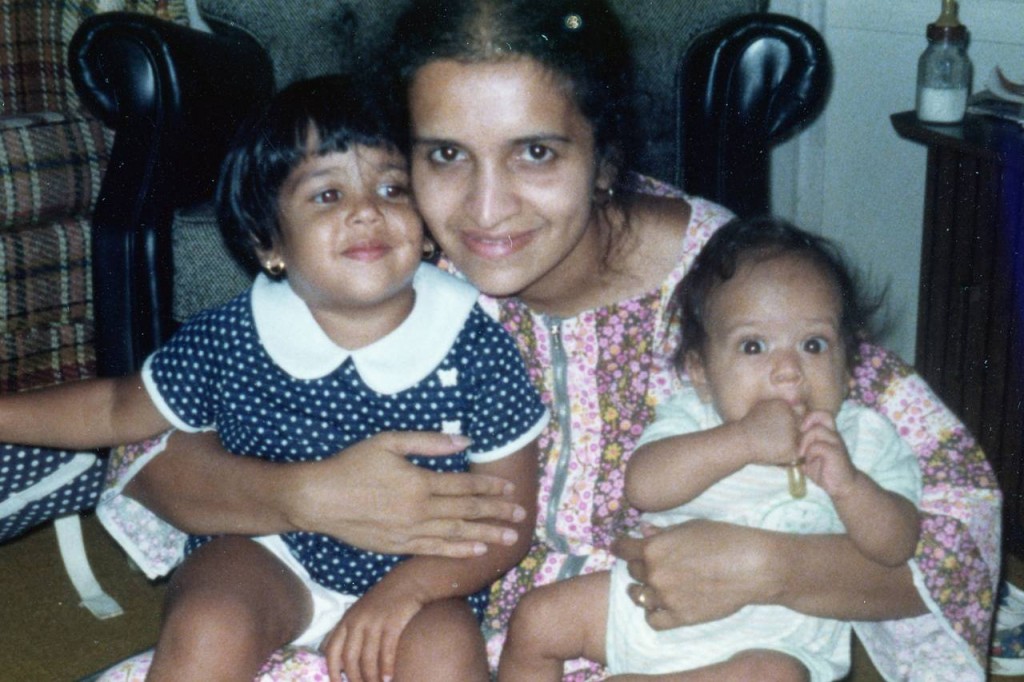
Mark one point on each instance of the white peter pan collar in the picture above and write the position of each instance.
(403, 358)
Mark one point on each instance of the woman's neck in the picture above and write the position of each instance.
(615, 261)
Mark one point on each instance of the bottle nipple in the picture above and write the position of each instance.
(948, 16)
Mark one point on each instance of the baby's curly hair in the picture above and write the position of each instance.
(742, 242)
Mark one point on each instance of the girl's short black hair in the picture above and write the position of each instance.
(742, 242)
(335, 112)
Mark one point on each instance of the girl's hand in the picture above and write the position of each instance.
(826, 459)
(364, 644)
(773, 431)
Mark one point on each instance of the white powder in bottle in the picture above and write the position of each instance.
(941, 105)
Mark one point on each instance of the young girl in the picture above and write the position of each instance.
(347, 334)
(770, 319)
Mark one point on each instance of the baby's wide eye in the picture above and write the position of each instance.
(752, 346)
(816, 345)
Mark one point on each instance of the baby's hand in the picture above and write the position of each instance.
(364, 644)
(826, 459)
(773, 431)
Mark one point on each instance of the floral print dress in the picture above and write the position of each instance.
(602, 373)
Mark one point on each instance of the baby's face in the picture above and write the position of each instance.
(773, 333)
(351, 238)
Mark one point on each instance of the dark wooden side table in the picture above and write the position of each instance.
(970, 329)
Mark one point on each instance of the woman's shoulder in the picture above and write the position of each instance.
(670, 230)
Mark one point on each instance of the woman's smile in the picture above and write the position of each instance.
(497, 246)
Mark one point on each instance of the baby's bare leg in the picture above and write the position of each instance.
(228, 607)
(553, 624)
(443, 642)
(757, 664)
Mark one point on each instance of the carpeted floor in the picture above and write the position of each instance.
(46, 637)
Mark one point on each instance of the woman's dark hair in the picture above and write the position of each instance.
(335, 112)
(744, 242)
(580, 41)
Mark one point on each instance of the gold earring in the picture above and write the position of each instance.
(275, 269)
(605, 195)
(429, 249)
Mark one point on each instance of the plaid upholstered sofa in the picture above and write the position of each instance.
(53, 158)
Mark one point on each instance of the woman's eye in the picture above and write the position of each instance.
(328, 196)
(752, 346)
(816, 345)
(538, 153)
(445, 155)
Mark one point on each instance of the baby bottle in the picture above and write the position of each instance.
(944, 70)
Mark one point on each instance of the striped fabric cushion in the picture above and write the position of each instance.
(45, 305)
(50, 166)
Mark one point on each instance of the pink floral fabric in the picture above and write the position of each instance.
(617, 369)
(956, 568)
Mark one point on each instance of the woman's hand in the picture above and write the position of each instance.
(697, 572)
(369, 495)
(705, 570)
(399, 508)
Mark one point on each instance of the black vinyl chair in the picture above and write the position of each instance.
(743, 88)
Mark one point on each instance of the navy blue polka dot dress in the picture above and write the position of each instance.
(263, 373)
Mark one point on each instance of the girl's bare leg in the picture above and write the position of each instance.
(443, 642)
(228, 607)
(757, 664)
(553, 624)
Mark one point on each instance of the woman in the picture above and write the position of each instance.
(519, 157)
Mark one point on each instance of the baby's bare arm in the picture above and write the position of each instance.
(672, 471)
(883, 525)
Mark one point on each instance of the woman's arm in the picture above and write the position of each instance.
(369, 496)
(705, 570)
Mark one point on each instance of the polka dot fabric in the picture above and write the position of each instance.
(215, 372)
(22, 467)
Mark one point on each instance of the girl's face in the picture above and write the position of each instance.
(504, 172)
(351, 239)
(772, 333)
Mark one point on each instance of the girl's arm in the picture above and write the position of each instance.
(666, 473)
(706, 570)
(81, 415)
(379, 617)
(369, 495)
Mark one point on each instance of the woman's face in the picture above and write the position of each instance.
(504, 172)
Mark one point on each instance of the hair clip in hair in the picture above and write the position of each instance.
(573, 22)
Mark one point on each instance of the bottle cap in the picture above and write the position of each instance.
(947, 26)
